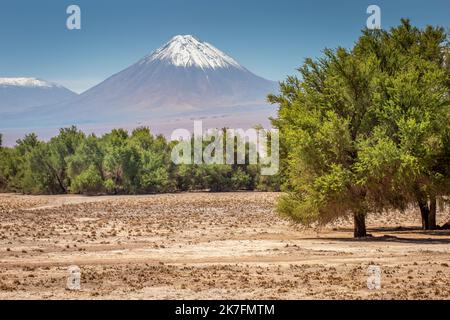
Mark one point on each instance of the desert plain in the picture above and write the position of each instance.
(210, 246)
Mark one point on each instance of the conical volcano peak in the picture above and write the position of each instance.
(185, 77)
(184, 38)
(188, 51)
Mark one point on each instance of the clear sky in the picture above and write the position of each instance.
(269, 37)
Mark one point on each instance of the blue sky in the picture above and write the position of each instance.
(270, 38)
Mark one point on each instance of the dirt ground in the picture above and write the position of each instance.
(209, 246)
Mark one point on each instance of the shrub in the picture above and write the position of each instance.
(89, 182)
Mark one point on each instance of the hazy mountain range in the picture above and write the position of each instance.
(22, 94)
(184, 78)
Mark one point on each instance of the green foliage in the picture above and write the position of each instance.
(190, 177)
(218, 177)
(88, 182)
(116, 163)
(154, 173)
(5, 158)
(363, 129)
(121, 165)
(88, 153)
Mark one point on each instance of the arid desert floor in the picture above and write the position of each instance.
(209, 246)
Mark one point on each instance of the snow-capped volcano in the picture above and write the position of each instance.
(187, 51)
(185, 76)
(20, 94)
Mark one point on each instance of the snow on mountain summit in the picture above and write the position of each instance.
(187, 51)
(19, 95)
(26, 82)
(184, 77)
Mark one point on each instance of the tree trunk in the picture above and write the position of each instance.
(359, 225)
(432, 214)
(425, 212)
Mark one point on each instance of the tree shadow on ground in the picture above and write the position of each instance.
(413, 230)
(392, 236)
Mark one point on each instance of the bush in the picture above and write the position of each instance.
(115, 163)
(155, 181)
(240, 180)
(89, 182)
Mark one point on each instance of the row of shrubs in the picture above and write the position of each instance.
(115, 163)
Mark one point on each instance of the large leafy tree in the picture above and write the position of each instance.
(323, 119)
(363, 129)
(413, 110)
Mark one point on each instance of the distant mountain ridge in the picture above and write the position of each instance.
(20, 94)
(184, 75)
(183, 80)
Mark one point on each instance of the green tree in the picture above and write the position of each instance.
(55, 154)
(190, 177)
(363, 127)
(218, 177)
(29, 172)
(38, 175)
(413, 109)
(322, 121)
(3, 176)
(240, 179)
(88, 157)
(88, 182)
(121, 163)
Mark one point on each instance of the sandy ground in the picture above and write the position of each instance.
(209, 246)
